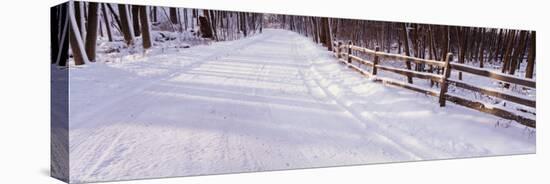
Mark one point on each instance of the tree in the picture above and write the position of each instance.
(325, 33)
(407, 50)
(174, 15)
(314, 30)
(481, 48)
(135, 19)
(75, 39)
(125, 24)
(507, 54)
(517, 52)
(145, 27)
(205, 26)
(531, 57)
(91, 37)
(463, 45)
(59, 26)
(107, 24)
(154, 14)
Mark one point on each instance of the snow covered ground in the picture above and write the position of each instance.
(268, 102)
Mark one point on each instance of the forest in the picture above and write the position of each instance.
(146, 26)
(509, 50)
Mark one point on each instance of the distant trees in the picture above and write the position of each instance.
(225, 25)
(531, 59)
(512, 50)
(407, 49)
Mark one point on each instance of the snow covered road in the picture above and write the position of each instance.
(268, 102)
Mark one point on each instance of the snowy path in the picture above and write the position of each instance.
(272, 101)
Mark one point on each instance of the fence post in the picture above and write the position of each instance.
(349, 52)
(375, 62)
(339, 49)
(444, 84)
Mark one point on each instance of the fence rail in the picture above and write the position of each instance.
(346, 57)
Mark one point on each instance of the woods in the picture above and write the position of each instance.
(91, 23)
(510, 51)
(507, 49)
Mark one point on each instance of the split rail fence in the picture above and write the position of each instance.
(344, 54)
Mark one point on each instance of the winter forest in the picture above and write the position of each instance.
(167, 91)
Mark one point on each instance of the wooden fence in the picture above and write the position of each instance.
(344, 54)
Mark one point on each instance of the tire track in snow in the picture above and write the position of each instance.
(218, 54)
(391, 141)
(418, 151)
(103, 160)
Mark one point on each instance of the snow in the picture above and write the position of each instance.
(478, 81)
(268, 102)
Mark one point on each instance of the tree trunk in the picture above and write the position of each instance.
(407, 50)
(116, 18)
(315, 30)
(329, 34)
(78, 16)
(135, 19)
(154, 14)
(463, 44)
(243, 24)
(75, 39)
(531, 58)
(145, 27)
(91, 36)
(59, 33)
(205, 29)
(322, 34)
(81, 18)
(174, 15)
(213, 24)
(517, 52)
(480, 54)
(507, 55)
(107, 24)
(125, 24)
(185, 18)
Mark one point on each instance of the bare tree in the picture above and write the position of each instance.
(145, 27)
(174, 15)
(515, 60)
(75, 39)
(531, 57)
(135, 19)
(125, 24)
(407, 50)
(91, 35)
(107, 22)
